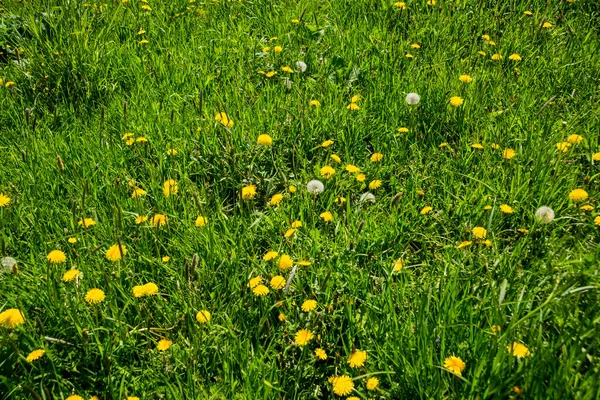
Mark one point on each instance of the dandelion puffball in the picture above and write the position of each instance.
(301, 65)
(413, 99)
(368, 196)
(315, 187)
(544, 215)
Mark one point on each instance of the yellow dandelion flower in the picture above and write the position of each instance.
(114, 253)
(264, 140)
(454, 365)
(496, 328)
(376, 157)
(203, 316)
(578, 195)
(528, 13)
(141, 219)
(575, 139)
(408, 55)
(278, 282)
(340, 200)
(465, 78)
(171, 152)
(292, 189)
(514, 57)
(398, 265)
(72, 240)
(352, 168)
(563, 146)
(11, 318)
(443, 144)
(94, 296)
(35, 355)
(464, 244)
(260, 290)
(287, 69)
(335, 158)
(372, 383)
(271, 74)
(281, 317)
(361, 177)
(138, 192)
(296, 224)
(309, 305)
(166, 259)
(159, 220)
(290, 232)
(248, 192)
(315, 103)
(327, 143)
(353, 107)
(506, 209)
(496, 146)
(201, 221)
(415, 46)
(164, 345)
(303, 336)
(342, 385)
(4, 200)
(170, 187)
(547, 25)
(597, 220)
(327, 171)
(56, 257)
(326, 216)
(320, 354)
(518, 350)
(357, 359)
(375, 184)
(477, 146)
(596, 156)
(224, 119)
(479, 232)
(148, 289)
(356, 98)
(71, 275)
(277, 49)
(400, 4)
(74, 397)
(508, 154)
(270, 255)
(456, 101)
(586, 207)
(285, 262)
(496, 57)
(276, 199)
(255, 282)
(426, 210)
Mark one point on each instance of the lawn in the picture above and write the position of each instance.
(350, 199)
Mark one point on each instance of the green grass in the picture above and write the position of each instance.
(83, 79)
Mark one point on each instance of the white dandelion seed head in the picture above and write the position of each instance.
(544, 215)
(287, 83)
(315, 187)
(413, 99)
(8, 264)
(301, 65)
(368, 196)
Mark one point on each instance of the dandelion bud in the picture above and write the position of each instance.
(413, 99)
(397, 198)
(361, 225)
(59, 162)
(544, 215)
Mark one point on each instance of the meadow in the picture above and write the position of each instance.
(350, 199)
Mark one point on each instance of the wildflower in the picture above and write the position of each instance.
(454, 365)
(514, 57)
(375, 184)
(254, 282)
(403, 130)
(327, 171)
(170, 187)
(479, 232)
(315, 103)
(482, 53)
(586, 207)
(506, 209)
(309, 305)
(477, 146)
(357, 359)
(264, 140)
(496, 57)
(368, 196)
(377, 157)
(340, 200)
(278, 282)
(518, 350)
(508, 154)
(248, 192)
(335, 158)
(296, 224)
(164, 345)
(523, 230)
(443, 144)
(372, 383)
(575, 139)
(276, 199)
(353, 107)
(287, 69)
(301, 65)
(292, 189)
(464, 244)
(303, 336)
(488, 243)
(148, 289)
(496, 146)
(547, 25)
(413, 99)
(4, 200)
(320, 354)
(465, 78)
(271, 74)
(201, 221)
(172, 152)
(35, 355)
(203, 316)
(456, 101)
(400, 4)
(342, 385)
(270, 255)
(166, 259)
(361, 177)
(71, 275)
(74, 396)
(327, 143)
(352, 168)
(303, 263)
(597, 220)
(277, 49)
(408, 55)
(11, 318)
(596, 156)
(290, 232)
(496, 328)
(141, 219)
(315, 187)
(260, 290)
(578, 195)
(146, 7)
(224, 119)
(285, 262)
(326, 216)
(421, 192)
(72, 240)
(114, 252)
(528, 13)
(398, 265)
(415, 46)
(141, 139)
(563, 146)
(159, 220)
(356, 98)
(94, 296)
(425, 210)
(56, 257)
